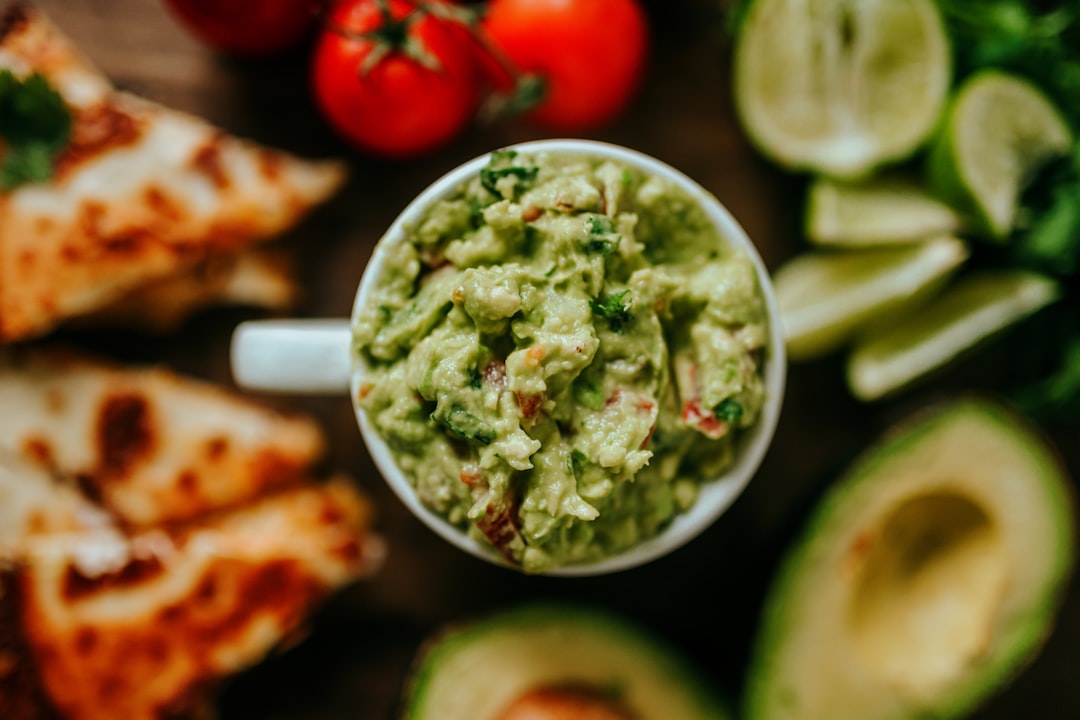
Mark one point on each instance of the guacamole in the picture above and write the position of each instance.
(560, 354)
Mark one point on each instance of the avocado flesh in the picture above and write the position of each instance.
(476, 671)
(929, 574)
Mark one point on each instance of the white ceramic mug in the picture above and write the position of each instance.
(316, 356)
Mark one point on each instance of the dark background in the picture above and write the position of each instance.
(704, 598)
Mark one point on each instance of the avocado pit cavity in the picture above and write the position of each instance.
(928, 585)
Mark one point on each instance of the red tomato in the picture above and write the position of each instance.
(591, 53)
(247, 27)
(395, 86)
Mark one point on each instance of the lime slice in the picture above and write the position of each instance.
(998, 130)
(837, 86)
(825, 297)
(973, 309)
(881, 211)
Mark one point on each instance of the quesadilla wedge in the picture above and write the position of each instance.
(140, 193)
(259, 277)
(150, 445)
(100, 623)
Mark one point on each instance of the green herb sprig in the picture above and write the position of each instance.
(1040, 40)
(615, 308)
(35, 125)
(466, 426)
(501, 166)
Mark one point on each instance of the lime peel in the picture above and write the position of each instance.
(970, 311)
(880, 211)
(998, 130)
(826, 297)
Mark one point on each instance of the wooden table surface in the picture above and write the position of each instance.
(704, 598)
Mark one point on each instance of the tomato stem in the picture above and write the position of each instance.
(528, 90)
(392, 35)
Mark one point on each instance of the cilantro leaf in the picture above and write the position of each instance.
(35, 125)
(599, 225)
(26, 163)
(589, 395)
(578, 461)
(1048, 224)
(601, 239)
(1056, 396)
(499, 167)
(1039, 40)
(614, 308)
(730, 411)
(599, 246)
(466, 426)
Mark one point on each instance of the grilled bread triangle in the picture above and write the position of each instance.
(258, 277)
(157, 533)
(101, 622)
(150, 445)
(142, 192)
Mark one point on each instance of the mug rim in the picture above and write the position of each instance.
(715, 495)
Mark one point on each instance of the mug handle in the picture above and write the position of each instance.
(306, 356)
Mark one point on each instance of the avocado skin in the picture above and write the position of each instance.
(1028, 632)
(588, 625)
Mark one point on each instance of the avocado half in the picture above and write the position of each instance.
(928, 576)
(476, 671)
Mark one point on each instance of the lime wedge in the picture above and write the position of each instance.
(837, 86)
(881, 211)
(825, 297)
(998, 130)
(969, 311)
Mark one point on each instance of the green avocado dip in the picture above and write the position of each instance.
(560, 354)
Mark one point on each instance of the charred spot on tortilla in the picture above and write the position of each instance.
(96, 130)
(77, 585)
(125, 433)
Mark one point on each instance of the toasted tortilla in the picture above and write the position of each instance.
(36, 504)
(100, 623)
(261, 277)
(151, 446)
(141, 193)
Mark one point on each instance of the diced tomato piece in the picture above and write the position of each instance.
(640, 402)
(499, 528)
(531, 213)
(704, 420)
(471, 476)
(648, 437)
(530, 404)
